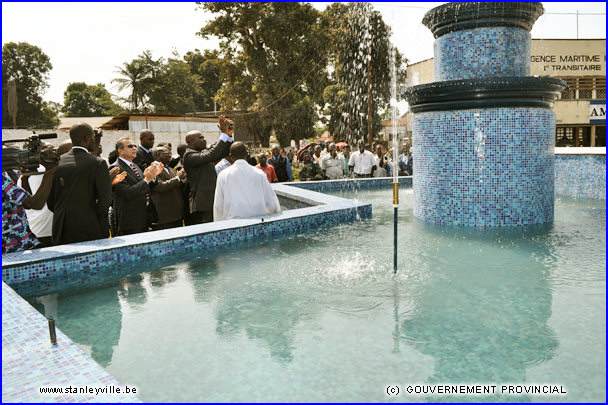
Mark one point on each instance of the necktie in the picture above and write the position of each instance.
(141, 179)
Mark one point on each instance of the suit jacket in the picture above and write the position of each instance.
(130, 201)
(143, 158)
(80, 198)
(167, 197)
(202, 176)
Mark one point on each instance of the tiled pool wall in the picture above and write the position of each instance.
(57, 268)
(484, 167)
(328, 186)
(482, 53)
(581, 176)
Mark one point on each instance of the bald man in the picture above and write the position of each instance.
(200, 170)
(144, 156)
(243, 191)
(82, 191)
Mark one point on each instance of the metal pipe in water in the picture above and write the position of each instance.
(52, 331)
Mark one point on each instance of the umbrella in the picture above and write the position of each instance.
(340, 145)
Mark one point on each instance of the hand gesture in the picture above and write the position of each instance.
(118, 177)
(114, 172)
(226, 125)
(181, 174)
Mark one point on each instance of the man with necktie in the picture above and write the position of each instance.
(132, 195)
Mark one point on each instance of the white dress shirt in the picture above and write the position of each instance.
(242, 191)
(333, 167)
(362, 162)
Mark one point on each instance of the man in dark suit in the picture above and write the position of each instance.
(82, 191)
(167, 194)
(132, 195)
(199, 165)
(144, 157)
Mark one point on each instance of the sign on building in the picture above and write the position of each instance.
(597, 112)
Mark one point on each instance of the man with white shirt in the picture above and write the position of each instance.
(362, 162)
(332, 164)
(243, 191)
(224, 164)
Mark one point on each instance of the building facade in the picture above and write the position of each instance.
(581, 111)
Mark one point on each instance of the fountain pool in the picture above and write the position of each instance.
(321, 316)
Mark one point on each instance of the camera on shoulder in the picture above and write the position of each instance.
(33, 153)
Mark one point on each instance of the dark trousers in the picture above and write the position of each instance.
(174, 224)
(131, 231)
(201, 217)
(363, 176)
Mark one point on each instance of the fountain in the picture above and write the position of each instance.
(484, 131)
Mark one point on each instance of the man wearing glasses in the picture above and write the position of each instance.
(132, 195)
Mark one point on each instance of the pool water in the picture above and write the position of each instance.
(321, 316)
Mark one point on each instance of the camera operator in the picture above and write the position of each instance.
(16, 232)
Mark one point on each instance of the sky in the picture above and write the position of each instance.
(86, 42)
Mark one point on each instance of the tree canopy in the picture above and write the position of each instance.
(274, 63)
(29, 67)
(83, 100)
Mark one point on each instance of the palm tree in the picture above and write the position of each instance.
(139, 76)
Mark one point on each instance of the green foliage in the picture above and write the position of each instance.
(138, 76)
(29, 67)
(273, 62)
(207, 69)
(83, 100)
(172, 86)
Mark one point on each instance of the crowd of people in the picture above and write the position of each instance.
(143, 187)
(324, 162)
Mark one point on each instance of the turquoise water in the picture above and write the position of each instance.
(321, 317)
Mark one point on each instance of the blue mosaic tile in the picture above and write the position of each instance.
(30, 361)
(581, 176)
(48, 270)
(485, 167)
(482, 53)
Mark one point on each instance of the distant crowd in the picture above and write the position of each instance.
(144, 187)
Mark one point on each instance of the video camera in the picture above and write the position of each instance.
(32, 154)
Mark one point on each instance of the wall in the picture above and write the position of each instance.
(579, 174)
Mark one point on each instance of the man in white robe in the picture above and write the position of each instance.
(242, 191)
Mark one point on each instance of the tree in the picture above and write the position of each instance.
(29, 67)
(272, 64)
(83, 100)
(361, 59)
(138, 76)
(207, 69)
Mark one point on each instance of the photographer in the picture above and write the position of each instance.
(16, 232)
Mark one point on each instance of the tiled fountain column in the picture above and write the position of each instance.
(482, 157)
(484, 167)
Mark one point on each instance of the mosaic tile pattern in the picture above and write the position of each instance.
(482, 53)
(30, 361)
(57, 268)
(581, 176)
(484, 167)
(352, 184)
